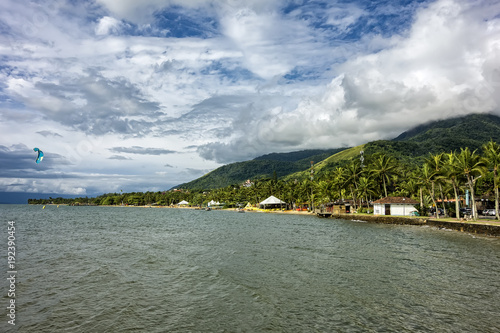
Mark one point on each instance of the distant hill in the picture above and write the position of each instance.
(22, 197)
(411, 147)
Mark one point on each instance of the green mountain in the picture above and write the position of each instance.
(452, 134)
(259, 168)
(441, 136)
(410, 147)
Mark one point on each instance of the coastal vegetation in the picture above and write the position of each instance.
(410, 165)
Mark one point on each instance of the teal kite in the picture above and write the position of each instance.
(40, 155)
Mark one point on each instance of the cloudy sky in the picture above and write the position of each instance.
(143, 95)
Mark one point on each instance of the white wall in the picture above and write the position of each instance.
(402, 210)
(378, 209)
(396, 209)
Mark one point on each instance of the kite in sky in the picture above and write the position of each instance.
(40, 155)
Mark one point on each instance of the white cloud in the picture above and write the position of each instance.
(345, 16)
(447, 66)
(107, 25)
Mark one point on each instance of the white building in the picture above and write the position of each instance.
(272, 202)
(395, 206)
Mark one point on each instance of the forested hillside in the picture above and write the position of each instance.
(262, 167)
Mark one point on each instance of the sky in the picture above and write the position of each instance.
(145, 95)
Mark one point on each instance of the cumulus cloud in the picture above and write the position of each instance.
(446, 66)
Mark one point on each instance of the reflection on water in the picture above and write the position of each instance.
(97, 269)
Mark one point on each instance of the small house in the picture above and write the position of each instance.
(339, 207)
(395, 206)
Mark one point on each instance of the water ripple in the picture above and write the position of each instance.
(98, 269)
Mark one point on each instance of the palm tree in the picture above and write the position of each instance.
(324, 191)
(410, 187)
(352, 174)
(288, 193)
(492, 160)
(384, 167)
(303, 193)
(338, 182)
(418, 178)
(427, 178)
(256, 189)
(453, 174)
(472, 166)
(365, 189)
(435, 163)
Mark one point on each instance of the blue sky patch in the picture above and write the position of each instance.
(181, 23)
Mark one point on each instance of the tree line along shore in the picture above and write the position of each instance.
(443, 182)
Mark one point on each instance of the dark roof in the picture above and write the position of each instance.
(396, 200)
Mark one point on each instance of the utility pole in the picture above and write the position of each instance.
(362, 159)
(473, 199)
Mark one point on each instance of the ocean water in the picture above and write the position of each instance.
(123, 269)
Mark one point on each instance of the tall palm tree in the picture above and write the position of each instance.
(492, 160)
(288, 196)
(352, 173)
(417, 176)
(427, 178)
(338, 182)
(256, 191)
(472, 166)
(453, 173)
(303, 193)
(365, 189)
(436, 163)
(384, 167)
(324, 191)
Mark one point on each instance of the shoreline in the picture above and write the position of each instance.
(489, 228)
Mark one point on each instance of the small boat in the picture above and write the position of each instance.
(208, 209)
(240, 210)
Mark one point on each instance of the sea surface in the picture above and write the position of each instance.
(124, 269)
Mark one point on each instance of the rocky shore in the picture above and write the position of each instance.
(473, 227)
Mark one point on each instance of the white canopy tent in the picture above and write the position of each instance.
(183, 203)
(272, 201)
